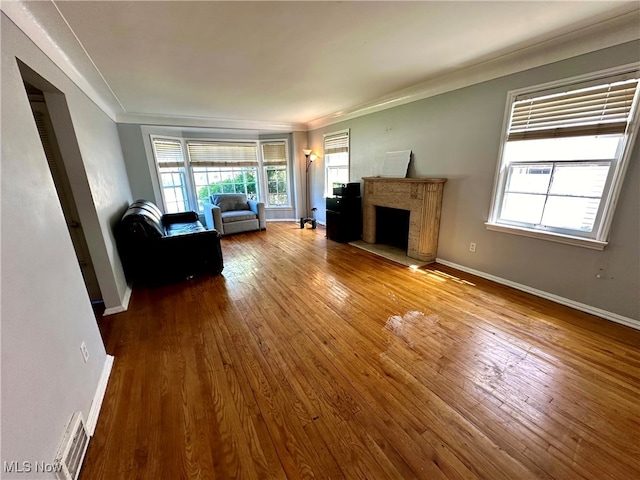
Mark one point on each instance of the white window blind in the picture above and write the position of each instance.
(168, 153)
(594, 110)
(215, 154)
(274, 154)
(336, 143)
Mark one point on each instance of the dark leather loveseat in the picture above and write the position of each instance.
(156, 248)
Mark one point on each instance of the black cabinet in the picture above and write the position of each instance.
(344, 218)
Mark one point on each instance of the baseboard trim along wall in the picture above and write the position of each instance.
(94, 412)
(296, 220)
(120, 308)
(614, 317)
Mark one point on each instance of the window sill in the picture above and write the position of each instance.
(552, 237)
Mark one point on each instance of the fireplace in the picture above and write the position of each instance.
(392, 227)
(420, 197)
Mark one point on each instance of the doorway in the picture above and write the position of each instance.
(63, 189)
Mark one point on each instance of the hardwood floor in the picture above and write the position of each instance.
(310, 358)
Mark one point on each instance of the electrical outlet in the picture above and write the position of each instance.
(85, 352)
(472, 247)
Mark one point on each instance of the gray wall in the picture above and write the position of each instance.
(135, 159)
(93, 159)
(456, 135)
(45, 309)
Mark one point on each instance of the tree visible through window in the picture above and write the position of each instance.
(211, 180)
(223, 167)
(212, 167)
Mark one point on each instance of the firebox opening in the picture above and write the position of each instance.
(392, 227)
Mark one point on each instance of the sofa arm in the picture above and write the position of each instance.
(258, 208)
(213, 218)
(183, 217)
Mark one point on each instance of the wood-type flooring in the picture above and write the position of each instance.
(313, 359)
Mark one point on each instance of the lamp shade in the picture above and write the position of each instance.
(306, 152)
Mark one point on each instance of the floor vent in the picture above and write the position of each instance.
(72, 449)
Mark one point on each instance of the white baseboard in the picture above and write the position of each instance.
(296, 220)
(92, 418)
(292, 220)
(614, 317)
(120, 308)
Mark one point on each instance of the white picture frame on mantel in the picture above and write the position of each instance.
(396, 164)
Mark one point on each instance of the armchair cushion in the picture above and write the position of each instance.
(238, 216)
(229, 201)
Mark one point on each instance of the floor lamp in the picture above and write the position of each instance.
(310, 157)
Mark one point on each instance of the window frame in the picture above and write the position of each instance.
(224, 165)
(328, 189)
(234, 170)
(265, 180)
(157, 167)
(189, 174)
(598, 238)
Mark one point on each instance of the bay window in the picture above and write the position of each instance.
(190, 171)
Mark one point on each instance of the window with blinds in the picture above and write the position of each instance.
(223, 167)
(191, 171)
(336, 159)
(171, 174)
(563, 157)
(274, 161)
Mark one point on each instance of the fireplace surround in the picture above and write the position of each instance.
(422, 197)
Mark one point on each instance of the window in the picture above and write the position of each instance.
(223, 168)
(563, 159)
(190, 171)
(171, 173)
(336, 159)
(274, 161)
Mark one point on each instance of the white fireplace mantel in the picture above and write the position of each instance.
(422, 197)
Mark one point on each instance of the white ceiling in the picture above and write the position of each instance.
(288, 62)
